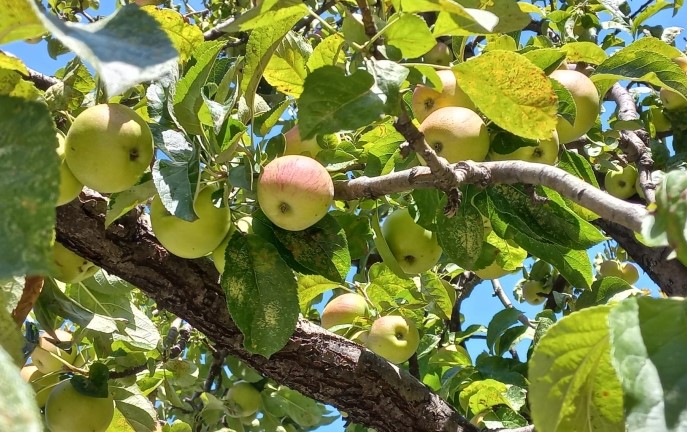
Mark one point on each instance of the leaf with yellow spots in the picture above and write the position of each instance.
(184, 36)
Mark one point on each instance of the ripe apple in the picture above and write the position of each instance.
(415, 248)
(109, 147)
(456, 134)
(626, 271)
(242, 400)
(531, 291)
(67, 410)
(295, 192)
(44, 356)
(492, 271)
(41, 383)
(545, 152)
(71, 268)
(586, 100)
(245, 225)
(621, 184)
(426, 100)
(440, 54)
(191, 239)
(70, 187)
(343, 309)
(393, 337)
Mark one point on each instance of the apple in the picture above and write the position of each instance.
(492, 271)
(531, 291)
(295, 192)
(70, 187)
(242, 400)
(626, 271)
(294, 145)
(109, 147)
(426, 100)
(45, 355)
(393, 337)
(440, 54)
(456, 134)
(191, 239)
(67, 410)
(656, 178)
(621, 184)
(41, 383)
(343, 309)
(71, 268)
(630, 273)
(682, 62)
(545, 152)
(586, 100)
(540, 271)
(245, 225)
(415, 248)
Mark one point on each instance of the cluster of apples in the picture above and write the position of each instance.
(623, 270)
(536, 287)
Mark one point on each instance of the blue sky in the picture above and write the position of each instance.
(481, 305)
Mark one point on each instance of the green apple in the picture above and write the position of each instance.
(531, 292)
(46, 356)
(71, 268)
(67, 410)
(426, 100)
(191, 239)
(70, 187)
(242, 400)
(343, 309)
(492, 271)
(109, 147)
(295, 192)
(415, 248)
(545, 152)
(540, 271)
(245, 225)
(456, 134)
(440, 54)
(586, 100)
(626, 271)
(294, 145)
(621, 184)
(393, 337)
(630, 273)
(41, 383)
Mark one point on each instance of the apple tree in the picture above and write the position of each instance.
(184, 195)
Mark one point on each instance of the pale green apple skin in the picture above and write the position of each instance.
(393, 337)
(245, 225)
(42, 357)
(415, 248)
(109, 147)
(295, 192)
(426, 100)
(440, 54)
(71, 268)
(69, 411)
(546, 152)
(294, 145)
(191, 239)
(343, 309)
(626, 271)
(530, 292)
(456, 134)
(621, 184)
(586, 100)
(41, 383)
(242, 400)
(492, 271)
(70, 187)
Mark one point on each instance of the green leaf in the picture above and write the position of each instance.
(11, 290)
(329, 52)
(548, 59)
(387, 290)
(602, 292)
(573, 386)
(311, 286)
(126, 48)
(359, 234)
(410, 34)
(18, 409)
(18, 21)
(286, 69)
(434, 290)
(566, 104)
(266, 14)
(262, 294)
(498, 325)
(11, 340)
(509, 13)
(649, 337)
(185, 37)
(136, 408)
(479, 396)
(13, 84)
(28, 186)
(389, 77)
(587, 52)
(95, 385)
(105, 283)
(510, 90)
(461, 237)
(121, 203)
(670, 214)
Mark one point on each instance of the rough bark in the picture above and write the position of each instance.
(315, 362)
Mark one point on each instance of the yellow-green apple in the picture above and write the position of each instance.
(626, 271)
(295, 192)
(426, 100)
(545, 152)
(69, 267)
(191, 239)
(415, 248)
(621, 184)
(492, 271)
(343, 309)
(70, 187)
(294, 145)
(456, 134)
(41, 383)
(109, 147)
(532, 292)
(682, 62)
(393, 337)
(440, 54)
(242, 400)
(46, 356)
(67, 410)
(656, 178)
(586, 100)
(245, 225)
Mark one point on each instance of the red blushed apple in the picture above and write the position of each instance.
(295, 192)
(343, 309)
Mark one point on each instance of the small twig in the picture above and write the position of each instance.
(32, 289)
(129, 372)
(505, 301)
(305, 21)
(370, 28)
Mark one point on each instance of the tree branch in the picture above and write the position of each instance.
(505, 301)
(32, 289)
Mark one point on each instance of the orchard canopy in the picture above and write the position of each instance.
(279, 215)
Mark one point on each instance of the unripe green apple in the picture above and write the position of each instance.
(586, 100)
(492, 271)
(245, 225)
(393, 337)
(343, 309)
(41, 383)
(242, 400)
(621, 184)
(71, 268)
(70, 187)
(440, 54)
(67, 410)
(109, 147)
(45, 355)
(456, 134)
(426, 100)
(415, 248)
(531, 291)
(545, 152)
(295, 192)
(540, 270)
(191, 239)
(630, 273)
(626, 271)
